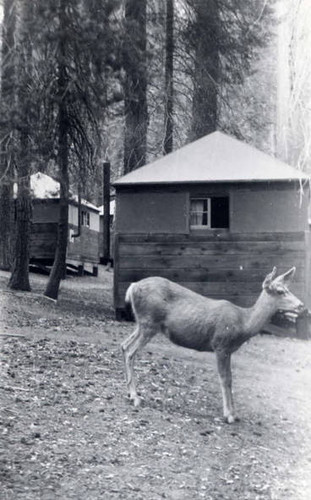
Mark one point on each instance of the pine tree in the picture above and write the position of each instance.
(76, 100)
(24, 121)
(169, 74)
(224, 37)
(135, 85)
(8, 72)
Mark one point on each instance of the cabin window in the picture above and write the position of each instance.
(85, 218)
(209, 212)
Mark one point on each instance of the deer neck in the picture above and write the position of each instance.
(259, 314)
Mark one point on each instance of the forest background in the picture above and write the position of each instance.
(86, 81)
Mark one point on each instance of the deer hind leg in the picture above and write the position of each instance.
(135, 342)
(225, 377)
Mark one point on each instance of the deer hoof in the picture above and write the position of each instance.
(136, 401)
(230, 419)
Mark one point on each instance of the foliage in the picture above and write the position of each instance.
(6, 133)
(293, 82)
(224, 39)
(125, 70)
(134, 62)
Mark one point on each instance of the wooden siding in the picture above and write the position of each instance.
(43, 240)
(45, 211)
(85, 248)
(218, 265)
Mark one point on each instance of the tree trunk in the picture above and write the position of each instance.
(6, 133)
(59, 266)
(19, 279)
(206, 71)
(6, 217)
(20, 273)
(58, 271)
(169, 68)
(135, 85)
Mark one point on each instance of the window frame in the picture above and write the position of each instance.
(85, 218)
(201, 226)
(209, 197)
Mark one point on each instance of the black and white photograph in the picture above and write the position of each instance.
(155, 249)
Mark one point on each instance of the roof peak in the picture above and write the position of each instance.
(216, 157)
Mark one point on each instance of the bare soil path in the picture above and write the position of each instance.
(67, 430)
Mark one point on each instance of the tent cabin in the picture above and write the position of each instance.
(83, 238)
(214, 216)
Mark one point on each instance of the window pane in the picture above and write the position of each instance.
(197, 205)
(199, 212)
(196, 219)
(218, 216)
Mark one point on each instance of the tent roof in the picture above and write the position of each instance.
(216, 157)
(45, 187)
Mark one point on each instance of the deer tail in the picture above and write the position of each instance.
(129, 301)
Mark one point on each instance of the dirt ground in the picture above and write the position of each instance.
(68, 431)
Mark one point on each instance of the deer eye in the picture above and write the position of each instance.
(281, 291)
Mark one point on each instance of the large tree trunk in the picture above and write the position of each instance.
(6, 133)
(59, 266)
(206, 70)
(169, 68)
(135, 85)
(20, 273)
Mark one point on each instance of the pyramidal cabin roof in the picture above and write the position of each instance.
(216, 157)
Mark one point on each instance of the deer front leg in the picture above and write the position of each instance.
(130, 346)
(225, 377)
(128, 358)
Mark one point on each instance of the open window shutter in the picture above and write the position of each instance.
(220, 212)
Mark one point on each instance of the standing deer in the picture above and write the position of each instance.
(191, 320)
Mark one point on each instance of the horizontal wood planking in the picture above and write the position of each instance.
(210, 248)
(218, 265)
(212, 235)
(43, 240)
(216, 261)
(44, 228)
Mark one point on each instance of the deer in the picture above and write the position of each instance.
(197, 322)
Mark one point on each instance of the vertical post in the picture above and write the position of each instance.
(106, 217)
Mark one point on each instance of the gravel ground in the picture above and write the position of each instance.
(68, 431)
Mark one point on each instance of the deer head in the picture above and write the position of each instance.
(277, 288)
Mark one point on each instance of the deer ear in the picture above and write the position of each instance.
(269, 278)
(289, 275)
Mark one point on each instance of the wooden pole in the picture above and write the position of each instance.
(106, 218)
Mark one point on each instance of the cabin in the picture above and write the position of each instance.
(214, 216)
(83, 220)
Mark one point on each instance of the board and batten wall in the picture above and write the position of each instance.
(44, 230)
(268, 227)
